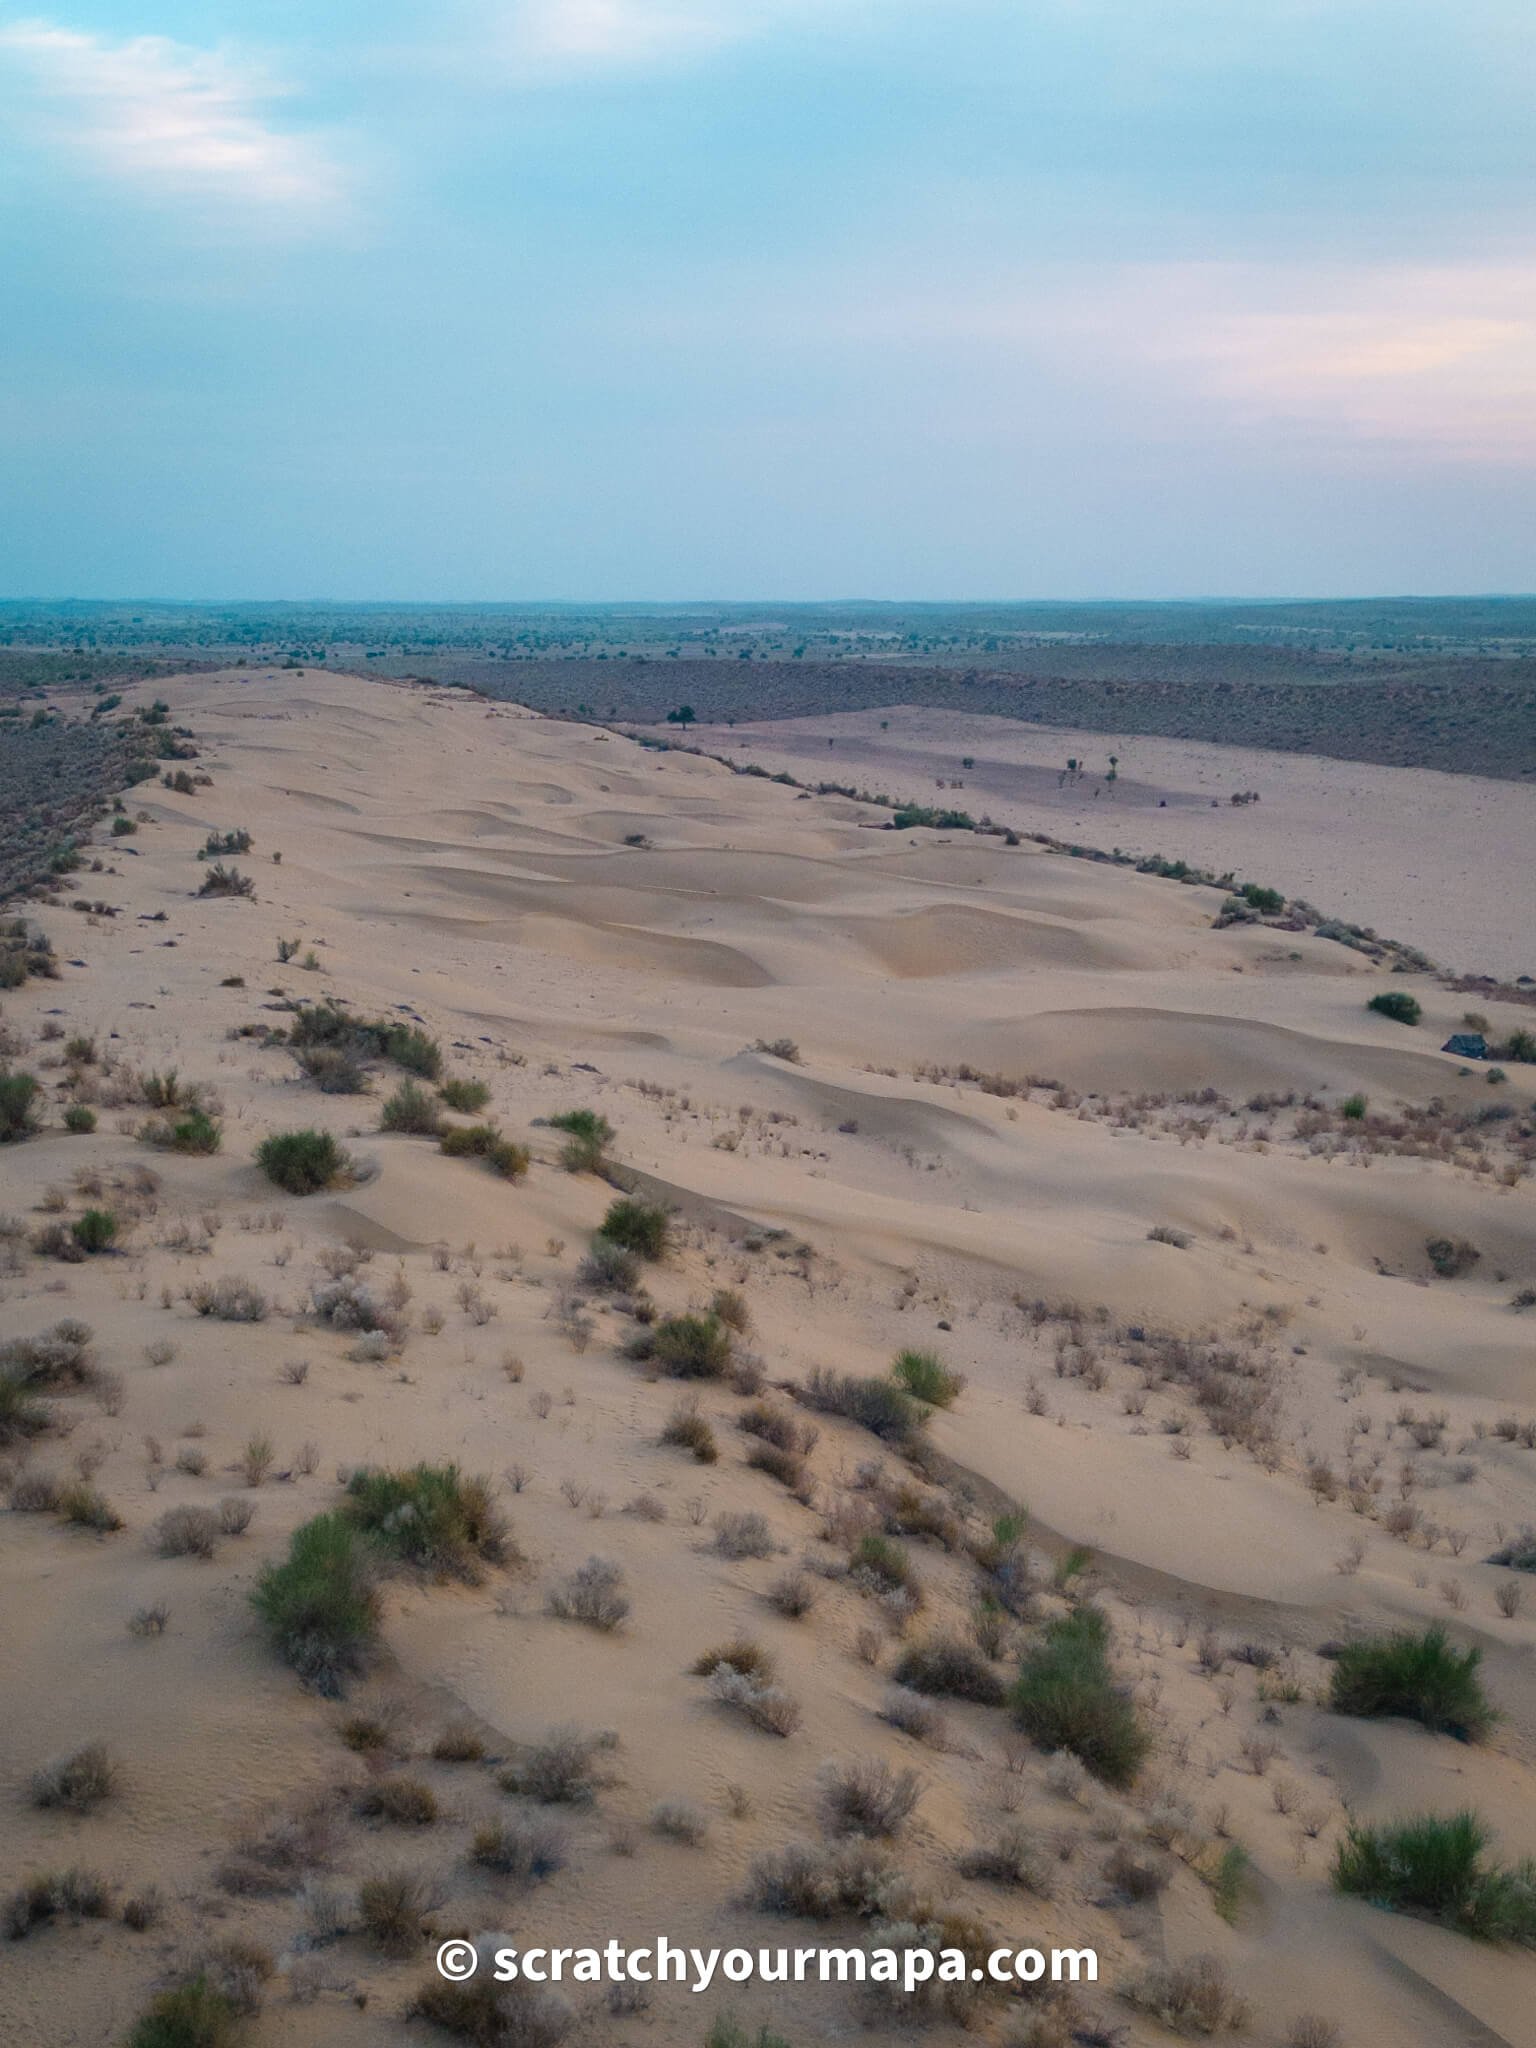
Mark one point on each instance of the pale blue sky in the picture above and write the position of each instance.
(741, 298)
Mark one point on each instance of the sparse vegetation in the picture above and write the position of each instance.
(925, 1377)
(643, 1228)
(302, 1162)
(430, 1516)
(593, 1594)
(1436, 1865)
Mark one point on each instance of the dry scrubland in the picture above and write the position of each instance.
(391, 1560)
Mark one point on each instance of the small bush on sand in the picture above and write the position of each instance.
(413, 1111)
(186, 1532)
(812, 1881)
(925, 1377)
(18, 1107)
(742, 1654)
(643, 1228)
(793, 1595)
(743, 1536)
(458, 1743)
(767, 1707)
(228, 1300)
(85, 1507)
(392, 1907)
(1451, 1257)
(77, 1782)
(197, 1133)
(879, 1406)
(559, 1771)
(882, 1566)
(950, 1669)
(430, 1516)
(728, 2033)
(1519, 1553)
(223, 881)
(685, 1427)
(781, 1465)
(335, 1069)
(302, 1162)
(681, 1821)
(1422, 1676)
(79, 1120)
(1066, 1698)
(524, 1848)
(490, 2015)
(689, 1347)
(467, 1097)
(192, 2015)
(1435, 1865)
(21, 1415)
(608, 1268)
(1397, 1004)
(1011, 1858)
(320, 1605)
(1190, 1998)
(593, 1593)
(76, 1894)
(587, 1137)
(95, 1231)
(866, 1797)
(403, 1802)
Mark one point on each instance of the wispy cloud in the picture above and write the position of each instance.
(572, 34)
(171, 119)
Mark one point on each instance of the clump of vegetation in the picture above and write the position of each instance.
(78, 1894)
(877, 1564)
(561, 1770)
(485, 1141)
(413, 1111)
(223, 881)
(1397, 1004)
(18, 1107)
(1066, 1698)
(778, 1049)
(1190, 1998)
(218, 843)
(688, 1347)
(392, 1907)
(1451, 1257)
(588, 1135)
(643, 1228)
(429, 1516)
(490, 2015)
(925, 1377)
(334, 1069)
(464, 1095)
(867, 1797)
(690, 1431)
(403, 1802)
(79, 1120)
(1436, 1866)
(608, 1268)
(228, 1300)
(593, 1593)
(192, 2015)
(95, 1231)
(78, 1782)
(738, 1536)
(320, 1605)
(302, 1162)
(197, 1132)
(1423, 1677)
(767, 1706)
(950, 1669)
(1518, 1554)
(877, 1405)
(523, 1848)
(815, 1881)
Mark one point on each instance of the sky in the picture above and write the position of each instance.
(586, 299)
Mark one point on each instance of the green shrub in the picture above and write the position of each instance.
(690, 1347)
(79, 1119)
(1066, 1698)
(643, 1228)
(302, 1162)
(1354, 1107)
(925, 1376)
(18, 1107)
(879, 1406)
(412, 1110)
(1397, 1004)
(320, 1605)
(1423, 1677)
(508, 1159)
(948, 1669)
(193, 2015)
(196, 1132)
(589, 1135)
(415, 1050)
(1435, 1865)
(466, 1096)
(94, 1231)
(467, 1141)
(886, 1565)
(685, 1427)
(430, 1516)
(334, 1069)
(727, 2033)
(123, 826)
(22, 1416)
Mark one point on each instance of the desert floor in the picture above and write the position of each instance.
(1228, 1417)
(1413, 853)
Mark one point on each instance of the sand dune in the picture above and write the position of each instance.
(1036, 1115)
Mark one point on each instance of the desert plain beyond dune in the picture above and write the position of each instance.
(1245, 1372)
